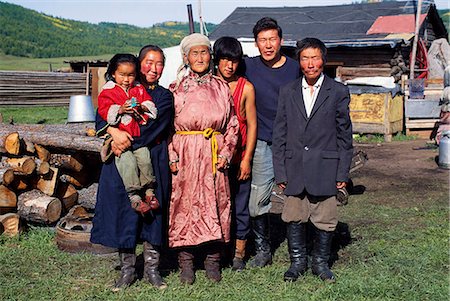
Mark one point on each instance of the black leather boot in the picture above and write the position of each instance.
(151, 264)
(260, 227)
(296, 235)
(127, 269)
(186, 264)
(321, 255)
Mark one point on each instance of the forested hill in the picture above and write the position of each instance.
(25, 32)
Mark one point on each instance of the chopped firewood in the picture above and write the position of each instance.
(38, 207)
(26, 165)
(78, 179)
(68, 195)
(47, 183)
(43, 154)
(29, 147)
(8, 176)
(70, 162)
(10, 223)
(8, 199)
(43, 167)
(12, 143)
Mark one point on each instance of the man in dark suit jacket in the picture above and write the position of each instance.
(312, 152)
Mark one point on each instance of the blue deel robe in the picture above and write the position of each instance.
(115, 223)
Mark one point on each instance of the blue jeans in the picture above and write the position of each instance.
(262, 180)
(240, 193)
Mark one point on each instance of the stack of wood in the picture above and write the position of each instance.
(398, 66)
(43, 171)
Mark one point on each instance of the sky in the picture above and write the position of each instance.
(145, 13)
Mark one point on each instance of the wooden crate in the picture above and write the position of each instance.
(376, 113)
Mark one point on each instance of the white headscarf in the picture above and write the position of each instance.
(195, 39)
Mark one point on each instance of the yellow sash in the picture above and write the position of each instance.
(209, 133)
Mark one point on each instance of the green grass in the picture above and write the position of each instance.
(35, 114)
(9, 62)
(379, 138)
(397, 254)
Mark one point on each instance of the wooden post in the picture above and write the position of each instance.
(416, 38)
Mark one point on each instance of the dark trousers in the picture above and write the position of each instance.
(240, 194)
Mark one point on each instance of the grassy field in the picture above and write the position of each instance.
(35, 114)
(398, 249)
(408, 261)
(9, 62)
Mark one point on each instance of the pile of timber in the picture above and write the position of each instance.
(40, 88)
(44, 171)
(398, 66)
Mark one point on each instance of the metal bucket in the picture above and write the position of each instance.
(81, 109)
(444, 150)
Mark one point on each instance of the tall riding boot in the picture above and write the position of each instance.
(212, 262)
(186, 264)
(127, 269)
(296, 235)
(151, 264)
(260, 227)
(239, 254)
(321, 255)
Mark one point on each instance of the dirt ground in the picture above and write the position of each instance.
(398, 168)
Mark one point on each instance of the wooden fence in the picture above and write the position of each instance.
(23, 88)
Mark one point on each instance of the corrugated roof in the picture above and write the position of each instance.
(395, 24)
(328, 23)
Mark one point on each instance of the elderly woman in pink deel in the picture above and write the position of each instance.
(206, 133)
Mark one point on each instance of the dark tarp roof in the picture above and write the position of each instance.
(342, 23)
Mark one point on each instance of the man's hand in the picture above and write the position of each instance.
(282, 185)
(341, 185)
(245, 169)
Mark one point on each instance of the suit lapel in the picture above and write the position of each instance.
(324, 93)
(298, 97)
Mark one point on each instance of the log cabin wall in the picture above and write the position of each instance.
(23, 88)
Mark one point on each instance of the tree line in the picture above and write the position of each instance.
(27, 33)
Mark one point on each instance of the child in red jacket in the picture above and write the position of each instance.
(125, 104)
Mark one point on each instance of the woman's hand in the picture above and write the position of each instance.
(173, 167)
(222, 163)
(245, 170)
(121, 140)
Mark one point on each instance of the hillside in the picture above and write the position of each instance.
(27, 33)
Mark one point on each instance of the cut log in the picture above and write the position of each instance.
(68, 195)
(47, 183)
(70, 162)
(43, 168)
(8, 176)
(38, 207)
(10, 223)
(43, 154)
(26, 165)
(19, 183)
(53, 138)
(29, 147)
(12, 143)
(88, 196)
(78, 179)
(8, 200)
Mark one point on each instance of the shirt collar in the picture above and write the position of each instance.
(318, 83)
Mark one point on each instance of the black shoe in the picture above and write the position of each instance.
(151, 264)
(321, 255)
(127, 269)
(296, 235)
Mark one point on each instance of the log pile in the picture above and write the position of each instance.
(44, 169)
(398, 66)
